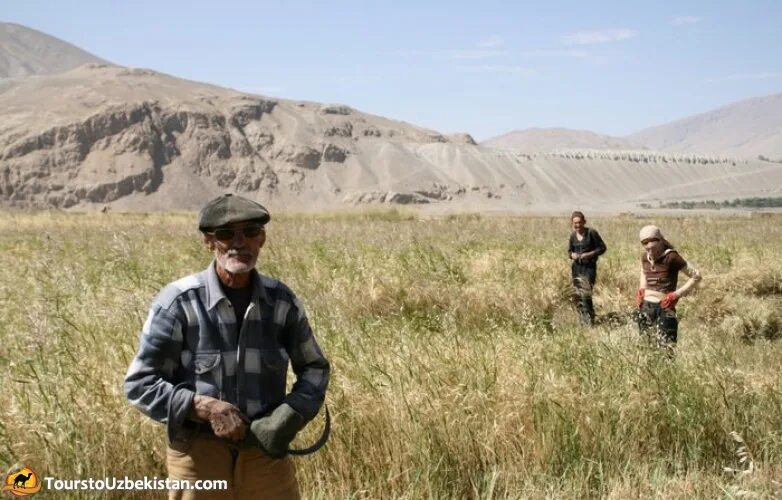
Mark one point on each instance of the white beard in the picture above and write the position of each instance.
(235, 266)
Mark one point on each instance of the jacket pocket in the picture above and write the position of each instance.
(208, 373)
(206, 361)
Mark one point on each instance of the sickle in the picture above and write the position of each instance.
(319, 443)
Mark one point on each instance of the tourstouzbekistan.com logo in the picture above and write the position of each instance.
(25, 482)
(22, 483)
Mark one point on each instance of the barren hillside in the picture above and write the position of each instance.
(140, 140)
(544, 140)
(100, 133)
(25, 52)
(748, 129)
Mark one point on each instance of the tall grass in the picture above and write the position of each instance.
(459, 368)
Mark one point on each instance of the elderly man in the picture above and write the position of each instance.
(213, 360)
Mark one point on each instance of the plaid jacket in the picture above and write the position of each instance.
(190, 345)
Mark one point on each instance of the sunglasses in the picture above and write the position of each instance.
(228, 233)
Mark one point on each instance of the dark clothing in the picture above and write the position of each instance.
(583, 282)
(240, 299)
(591, 241)
(659, 324)
(583, 276)
(584, 272)
(663, 275)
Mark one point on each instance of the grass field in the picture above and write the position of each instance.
(459, 368)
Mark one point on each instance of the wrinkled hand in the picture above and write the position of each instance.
(639, 297)
(669, 301)
(275, 432)
(227, 420)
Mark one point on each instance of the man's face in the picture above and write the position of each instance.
(236, 246)
(578, 223)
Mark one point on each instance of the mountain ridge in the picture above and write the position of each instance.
(26, 52)
(552, 139)
(100, 135)
(747, 128)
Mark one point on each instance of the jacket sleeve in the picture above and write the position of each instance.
(149, 383)
(600, 246)
(308, 362)
(570, 247)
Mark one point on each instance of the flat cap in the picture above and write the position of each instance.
(228, 209)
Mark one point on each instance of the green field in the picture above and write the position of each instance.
(459, 368)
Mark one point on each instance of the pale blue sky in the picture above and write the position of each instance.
(484, 67)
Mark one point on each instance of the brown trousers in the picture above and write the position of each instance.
(249, 472)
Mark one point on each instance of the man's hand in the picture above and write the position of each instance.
(639, 297)
(669, 301)
(575, 255)
(226, 419)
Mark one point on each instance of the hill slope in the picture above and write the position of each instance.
(745, 129)
(139, 140)
(542, 140)
(25, 52)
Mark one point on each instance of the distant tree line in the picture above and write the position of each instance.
(642, 156)
(764, 202)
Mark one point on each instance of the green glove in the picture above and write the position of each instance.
(273, 433)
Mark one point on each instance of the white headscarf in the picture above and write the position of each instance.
(649, 232)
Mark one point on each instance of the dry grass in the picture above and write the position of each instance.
(459, 368)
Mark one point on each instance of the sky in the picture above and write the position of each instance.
(485, 68)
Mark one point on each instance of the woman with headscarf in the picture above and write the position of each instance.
(584, 247)
(658, 293)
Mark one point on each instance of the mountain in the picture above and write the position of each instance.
(101, 136)
(135, 139)
(25, 52)
(746, 129)
(541, 140)
(100, 133)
